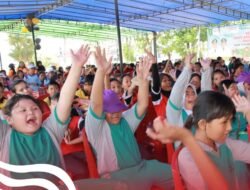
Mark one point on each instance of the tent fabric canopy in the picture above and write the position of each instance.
(147, 15)
(70, 29)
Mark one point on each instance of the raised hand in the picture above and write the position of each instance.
(169, 56)
(143, 68)
(81, 56)
(242, 104)
(110, 68)
(188, 60)
(101, 60)
(166, 133)
(205, 63)
(172, 73)
(226, 91)
(151, 57)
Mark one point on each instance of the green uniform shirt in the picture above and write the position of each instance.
(126, 148)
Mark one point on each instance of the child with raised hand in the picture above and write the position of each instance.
(239, 123)
(166, 133)
(212, 117)
(28, 140)
(177, 111)
(110, 131)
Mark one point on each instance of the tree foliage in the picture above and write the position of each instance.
(181, 41)
(22, 48)
(128, 52)
(143, 42)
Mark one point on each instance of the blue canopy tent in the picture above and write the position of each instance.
(147, 15)
(156, 15)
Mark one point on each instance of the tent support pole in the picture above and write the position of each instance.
(155, 44)
(119, 35)
(34, 43)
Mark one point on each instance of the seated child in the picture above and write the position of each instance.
(28, 140)
(110, 131)
(212, 117)
(53, 88)
(166, 133)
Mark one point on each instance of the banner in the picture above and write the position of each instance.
(229, 41)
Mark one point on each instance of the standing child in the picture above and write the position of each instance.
(28, 140)
(111, 132)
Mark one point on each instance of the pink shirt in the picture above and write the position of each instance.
(191, 174)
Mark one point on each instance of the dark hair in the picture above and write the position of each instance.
(210, 105)
(14, 100)
(177, 63)
(114, 79)
(16, 82)
(218, 71)
(198, 63)
(89, 79)
(237, 65)
(125, 75)
(195, 75)
(54, 83)
(168, 76)
(227, 83)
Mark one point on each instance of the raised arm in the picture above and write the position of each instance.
(156, 87)
(96, 98)
(166, 133)
(107, 78)
(242, 105)
(174, 105)
(142, 74)
(79, 58)
(206, 75)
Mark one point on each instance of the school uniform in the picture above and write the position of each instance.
(224, 159)
(42, 147)
(118, 154)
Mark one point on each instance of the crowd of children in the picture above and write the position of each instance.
(207, 97)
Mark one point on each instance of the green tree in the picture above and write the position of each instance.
(22, 48)
(128, 52)
(181, 41)
(143, 42)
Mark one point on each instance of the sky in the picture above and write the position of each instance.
(56, 49)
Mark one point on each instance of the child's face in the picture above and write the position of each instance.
(196, 68)
(116, 87)
(218, 129)
(126, 82)
(26, 117)
(165, 83)
(32, 71)
(233, 90)
(196, 82)
(247, 87)
(190, 98)
(218, 77)
(113, 118)
(22, 88)
(52, 90)
(238, 71)
(87, 88)
(20, 74)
